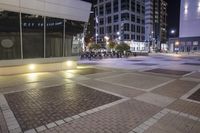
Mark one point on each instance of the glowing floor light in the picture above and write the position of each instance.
(32, 67)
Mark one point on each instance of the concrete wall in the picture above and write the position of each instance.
(68, 9)
(190, 18)
(37, 65)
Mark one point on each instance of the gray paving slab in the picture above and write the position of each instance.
(137, 81)
(155, 99)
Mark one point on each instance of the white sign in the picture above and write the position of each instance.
(195, 43)
(7, 43)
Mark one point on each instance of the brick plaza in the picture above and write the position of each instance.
(154, 94)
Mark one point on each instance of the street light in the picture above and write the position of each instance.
(173, 32)
(175, 43)
(106, 37)
(177, 46)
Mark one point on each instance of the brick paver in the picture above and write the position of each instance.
(172, 123)
(155, 99)
(145, 64)
(167, 71)
(186, 107)
(86, 71)
(195, 96)
(112, 88)
(37, 107)
(45, 100)
(195, 75)
(117, 119)
(175, 89)
(192, 64)
(135, 80)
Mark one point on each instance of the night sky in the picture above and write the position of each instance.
(173, 11)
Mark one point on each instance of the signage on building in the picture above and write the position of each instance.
(7, 43)
(195, 43)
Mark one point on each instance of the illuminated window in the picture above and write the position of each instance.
(186, 9)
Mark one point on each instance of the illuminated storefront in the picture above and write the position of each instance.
(32, 33)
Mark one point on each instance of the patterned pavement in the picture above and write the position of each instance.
(101, 99)
(170, 72)
(37, 107)
(195, 96)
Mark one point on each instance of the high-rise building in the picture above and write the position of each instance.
(120, 20)
(189, 34)
(156, 22)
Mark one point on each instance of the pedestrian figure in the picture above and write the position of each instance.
(188, 50)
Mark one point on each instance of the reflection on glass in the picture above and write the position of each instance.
(10, 47)
(33, 36)
(54, 37)
(73, 37)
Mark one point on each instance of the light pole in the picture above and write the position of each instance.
(172, 32)
(96, 37)
(122, 31)
(151, 41)
(107, 39)
(119, 37)
(177, 46)
(97, 22)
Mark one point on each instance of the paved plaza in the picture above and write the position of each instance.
(144, 94)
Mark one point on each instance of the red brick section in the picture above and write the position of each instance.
(186, 107)
(167, 71)
(37, 107)
(121, 118)
(195, 96)
(176, 89)
(86, 71)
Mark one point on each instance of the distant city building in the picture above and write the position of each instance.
(156, 22)
(89, 28)
(121, 20)
(189, 35)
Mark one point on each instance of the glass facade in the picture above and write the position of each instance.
(27, 36)
(72, 37)
(10, 44)
(54, 37)
(32, 36)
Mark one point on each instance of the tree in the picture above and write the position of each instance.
(112, 45)
(122, 47)
(119, 48)
(94, 46)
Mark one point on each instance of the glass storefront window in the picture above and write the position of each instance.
(33, 36)
(73, 37)
(54, 37)
(10, 46)
(39, 39)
